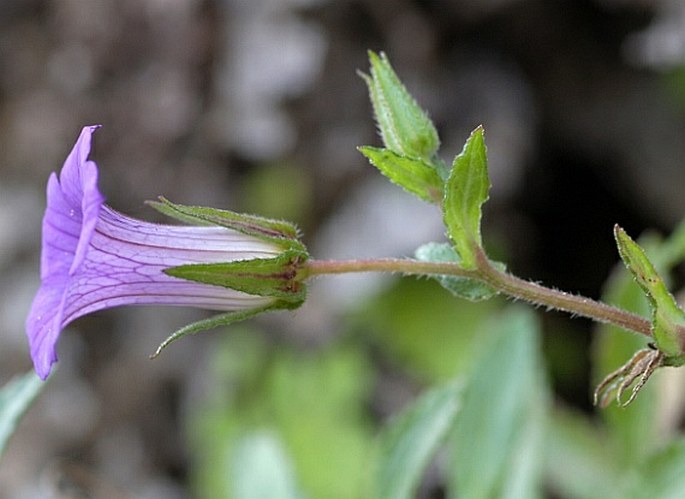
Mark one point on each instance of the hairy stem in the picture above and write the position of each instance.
(501, 281)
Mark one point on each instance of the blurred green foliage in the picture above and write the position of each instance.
(484, 422)
(281, 191)
(315, 402)
(16, 396)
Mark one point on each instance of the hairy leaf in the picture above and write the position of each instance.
(466, 191)
(414, 175)
(461, 287)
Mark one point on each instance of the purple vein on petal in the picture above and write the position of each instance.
(95, 258)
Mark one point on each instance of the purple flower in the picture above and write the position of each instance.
(95, 258)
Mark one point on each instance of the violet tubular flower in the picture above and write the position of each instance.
(95, 258)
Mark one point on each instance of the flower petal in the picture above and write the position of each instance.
(95, 258)
(79, 183)
(43, 326)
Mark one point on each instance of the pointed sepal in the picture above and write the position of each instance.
(276, 277)
(215, 322)
(280, 232)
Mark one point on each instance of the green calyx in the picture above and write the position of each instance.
(216, 321)
(276, 277)
(279, 232)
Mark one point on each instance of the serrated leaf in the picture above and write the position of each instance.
(216, 321)
(409, 441)
(262, 469)
(258, 276)
(499, 430)
(459, 286)
(668, 319)
(414, 175)
(15, 399)
(466, 190)
(405, 128)
(279, 232)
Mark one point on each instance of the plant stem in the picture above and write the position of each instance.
(501, 281)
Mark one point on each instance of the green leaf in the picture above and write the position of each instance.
(414, 175)
(275, 277)
(316, 401)
(15, 398)
(662, 476)
(672, 251)
(459, 286)
(499, 431)
(262, 469)
(421, 338)
(409, 441)
(578, 459)
(217, 321)
(279, 232)
(466, 191)
(668, 319)
(405, 128)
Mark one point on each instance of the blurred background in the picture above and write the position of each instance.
(255, 106)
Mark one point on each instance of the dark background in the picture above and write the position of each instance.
(256, 106)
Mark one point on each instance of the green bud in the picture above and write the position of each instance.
(668, 319)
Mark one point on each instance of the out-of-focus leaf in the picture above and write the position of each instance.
(261, 191)
(262, 469)
(315, 402)
(433, 339)
(467, 189)
(578, 460)
(410, 440)
(672, 250)
(460, 287)
(414, 175)
(15, 398)
(499, 431)
(662, 476)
